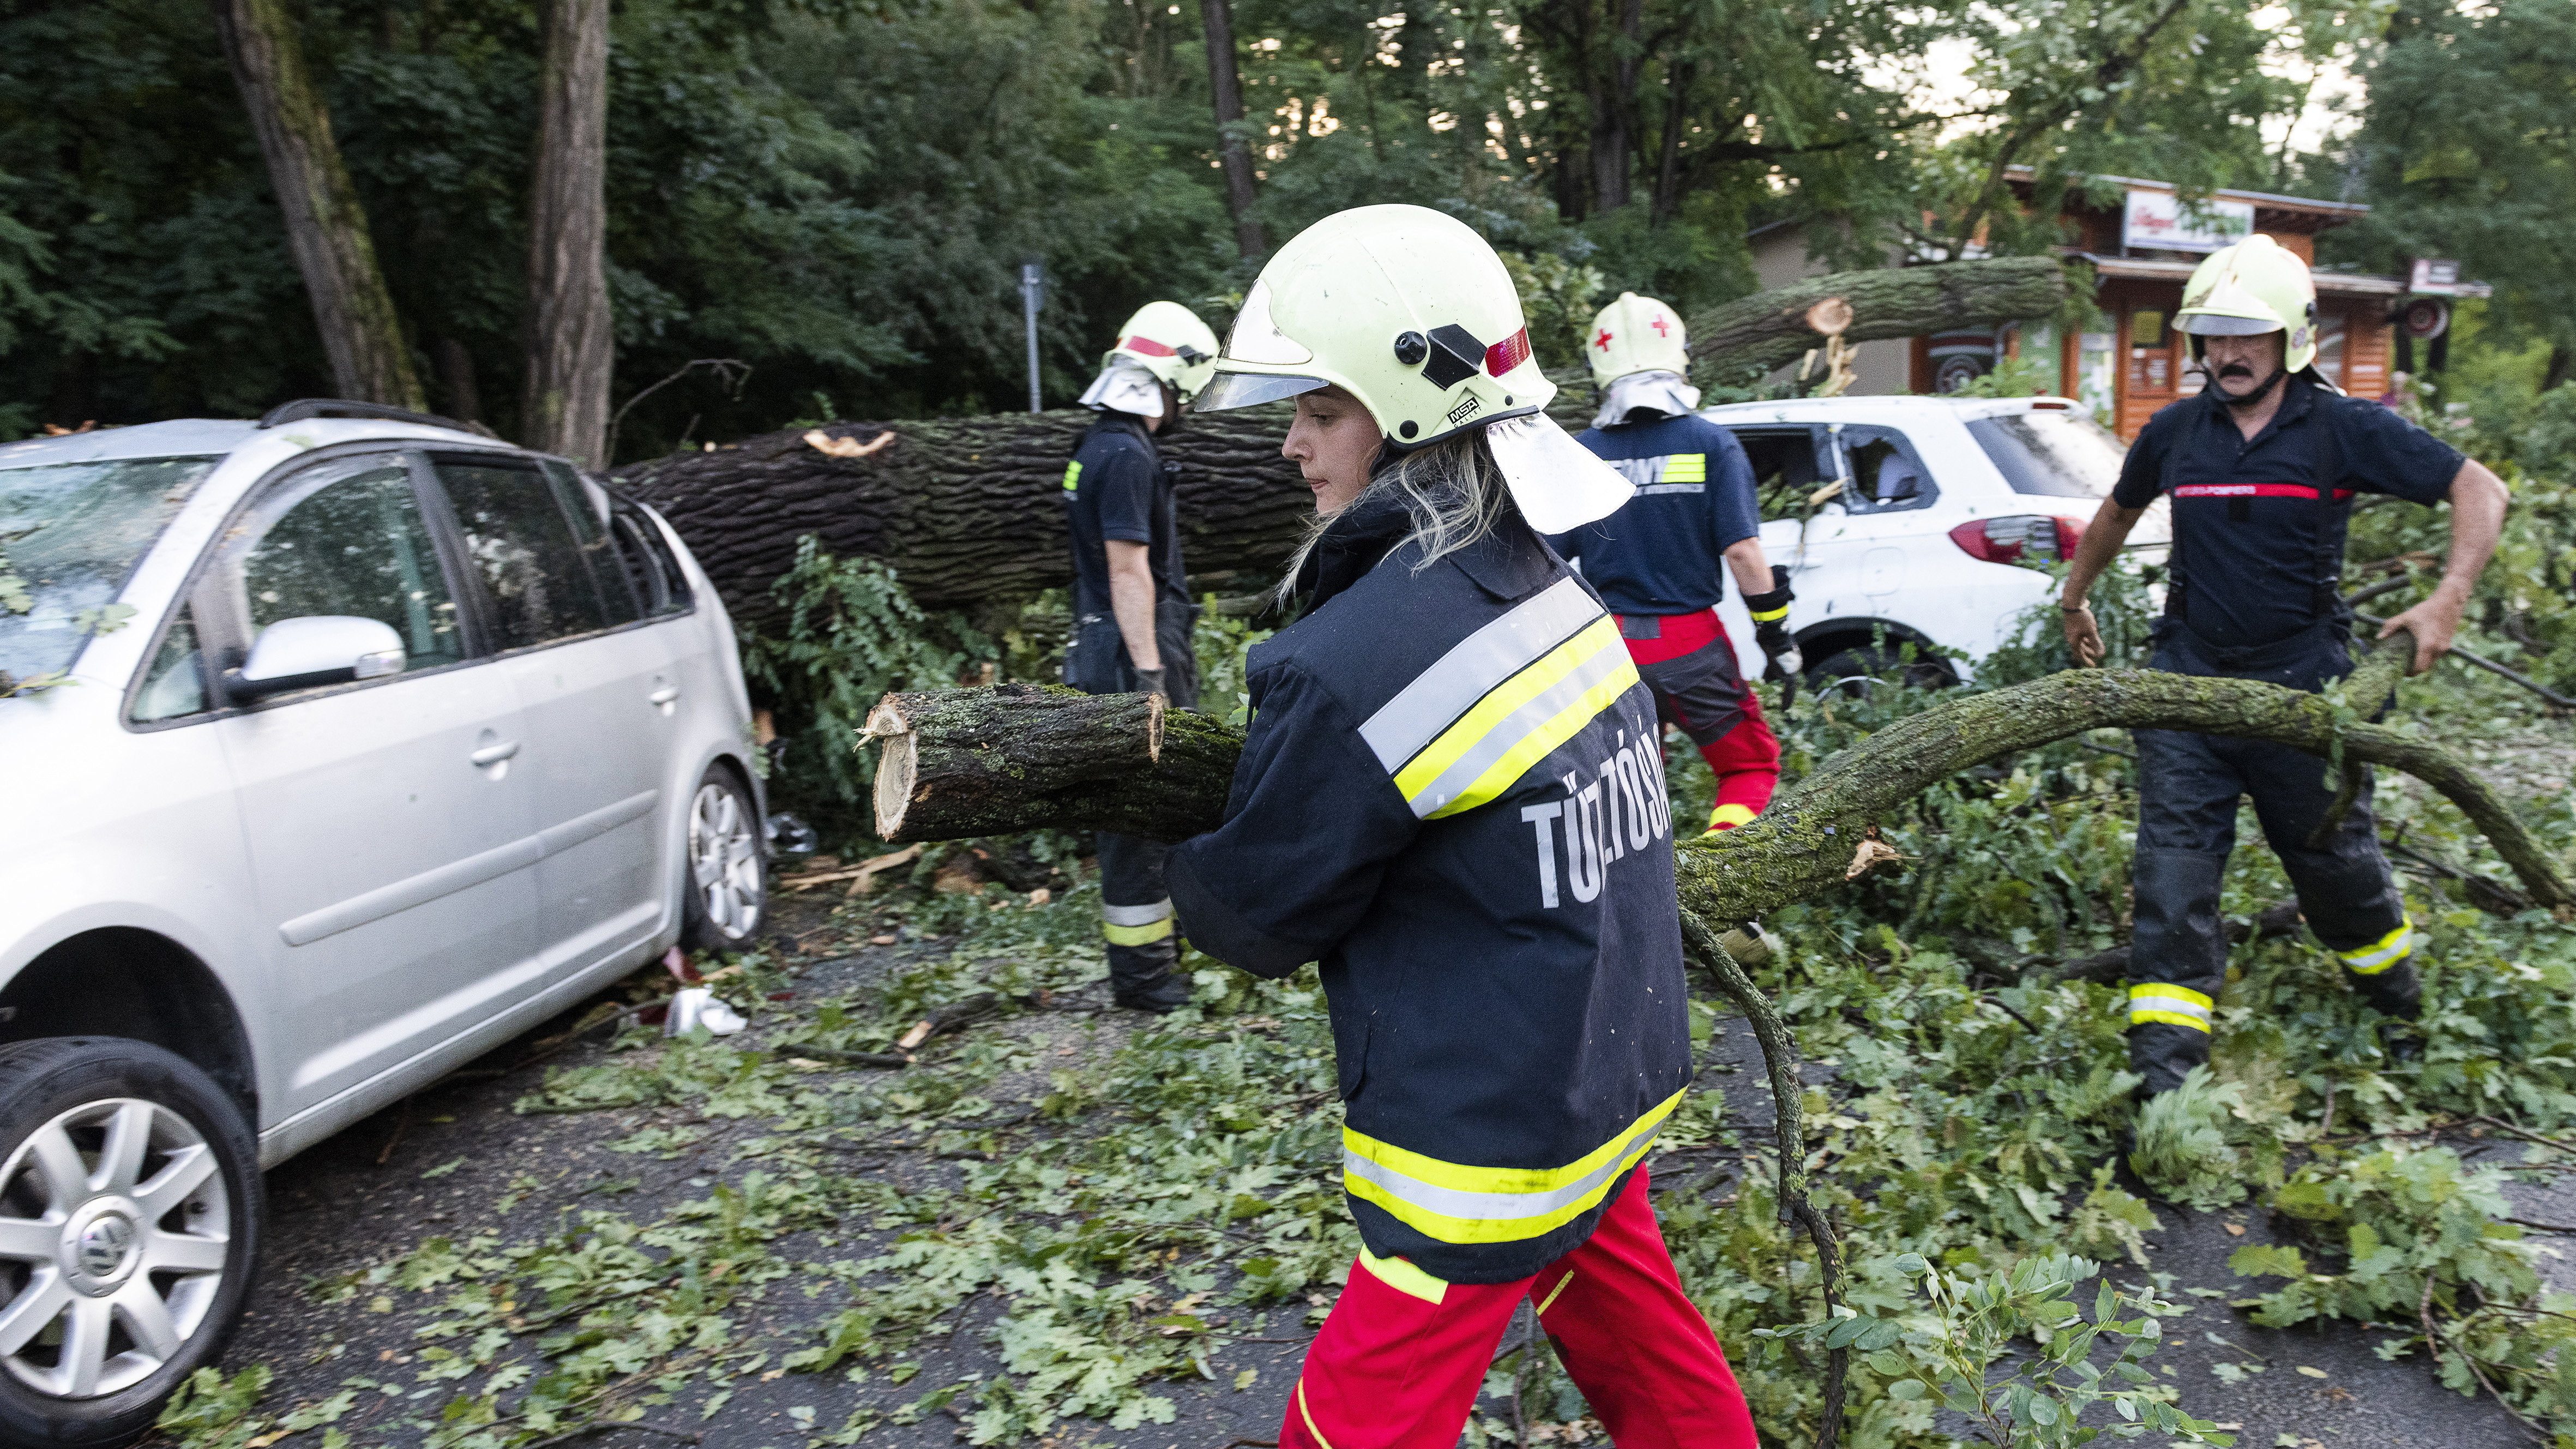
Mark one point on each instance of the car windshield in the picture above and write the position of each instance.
(2055, 454)
(69, 535)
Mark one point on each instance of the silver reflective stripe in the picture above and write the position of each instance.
(2358, 960)
(1517, 726)
(1653, 488)
(1136, 915)
(2142, 999)
(1496, 1206)
(1469, 671)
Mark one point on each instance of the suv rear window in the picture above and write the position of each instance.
(2054, 455)
(70, 533)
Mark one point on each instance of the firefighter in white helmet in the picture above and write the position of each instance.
(2262, 467)
(1661, 562)
(1449, 797)
(1131, 604)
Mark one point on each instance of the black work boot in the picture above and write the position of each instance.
(1141, 978)
(2397, 994)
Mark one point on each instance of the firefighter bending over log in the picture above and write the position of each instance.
(2262, 467)
(1449, 796)
(1131, 605)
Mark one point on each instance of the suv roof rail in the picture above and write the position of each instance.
(332, 407)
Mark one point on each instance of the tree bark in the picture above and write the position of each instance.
(959, 758)
(1095, 763)
(326, 228)
(968, 509)
(1225, 89)
(571, 346)
(1752, 335)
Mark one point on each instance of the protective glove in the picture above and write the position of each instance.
(1150, 681)
(1770, 613)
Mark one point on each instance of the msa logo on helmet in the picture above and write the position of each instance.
(1467, 407)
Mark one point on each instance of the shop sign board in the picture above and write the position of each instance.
(2163, 221)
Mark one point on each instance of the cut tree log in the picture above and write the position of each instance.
(968, 510)
(959, 763)
(963, 763)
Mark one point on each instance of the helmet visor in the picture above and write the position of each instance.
(1250, 389)
(2212, 324)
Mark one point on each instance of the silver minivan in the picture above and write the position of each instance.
(335, 749)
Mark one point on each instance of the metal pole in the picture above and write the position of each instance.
(1032, 287)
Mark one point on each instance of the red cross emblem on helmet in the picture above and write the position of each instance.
(1662, 328)
(1602, 341)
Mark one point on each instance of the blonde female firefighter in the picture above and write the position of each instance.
(1449, 797)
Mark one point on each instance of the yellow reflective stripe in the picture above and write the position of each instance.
(1685, 468)
(1136, 935)
(1764, 617)
(2180, 993)
(1072, 474)
(1456, 1203)
(1404, 1278)
(2383, 953)
(2170, 1004)
(1730, 815)
(1552, 1292)
(1310, 1415)
(1512, 728)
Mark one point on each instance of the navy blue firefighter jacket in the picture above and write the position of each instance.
(1450, 797)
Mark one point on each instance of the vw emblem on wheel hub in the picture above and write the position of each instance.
(103, 1245)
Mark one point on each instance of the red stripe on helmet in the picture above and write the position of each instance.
(1507, 354)
(1146, 347)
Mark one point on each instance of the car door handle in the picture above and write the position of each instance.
(491, 755)
(665, 695)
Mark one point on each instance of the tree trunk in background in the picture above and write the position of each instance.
(326, 228)
(1614, 132)
(1225, 88)
(463, 396)
(1667, 197)
(968, 510)
(571, 348)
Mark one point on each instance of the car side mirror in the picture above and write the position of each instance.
(312, 651)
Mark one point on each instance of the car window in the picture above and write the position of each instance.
(350, 539)
(1886, 475)
(521, 541)
(649, 561)
(70, 534)
(586, 508)
(2053, 455)
(174, 686)
(1784, 468)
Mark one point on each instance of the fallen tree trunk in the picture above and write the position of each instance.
(968, 510)
(1753, 335)
(965, 775)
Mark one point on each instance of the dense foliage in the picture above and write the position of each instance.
(840, 194)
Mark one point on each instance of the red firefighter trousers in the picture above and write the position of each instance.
(1689, 663)
(1403, 1354)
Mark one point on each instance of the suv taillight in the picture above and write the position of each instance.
(2030, 539)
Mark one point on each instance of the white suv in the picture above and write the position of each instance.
(339, 748)
(1944, 516)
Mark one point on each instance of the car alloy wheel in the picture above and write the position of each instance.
(115, 1226)
(725, 860)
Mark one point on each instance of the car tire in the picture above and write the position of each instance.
(725, 883)
(1858, 671)
(130, 1220)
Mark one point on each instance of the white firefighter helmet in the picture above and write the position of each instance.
(2250, 287)
(1635, 334)
(1164, 342)
(1409, 311)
